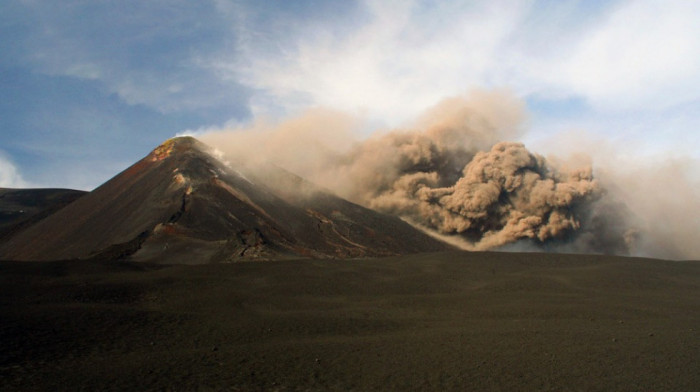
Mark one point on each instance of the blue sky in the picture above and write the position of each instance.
(88, 87)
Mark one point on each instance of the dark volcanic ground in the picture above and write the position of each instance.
(447, 321)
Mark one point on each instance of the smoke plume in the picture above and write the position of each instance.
(455, 173)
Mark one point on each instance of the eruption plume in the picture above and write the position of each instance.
(504, 195)
(453, 173)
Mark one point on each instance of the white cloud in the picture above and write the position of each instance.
(406, 55)
(645, 53)
(405, 58)
(9, 175)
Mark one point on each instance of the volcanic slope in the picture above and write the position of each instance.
(179, 204)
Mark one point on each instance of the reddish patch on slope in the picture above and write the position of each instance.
(163, 151)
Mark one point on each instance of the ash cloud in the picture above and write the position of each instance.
(456, 173)
(504, 195)
(659, 199)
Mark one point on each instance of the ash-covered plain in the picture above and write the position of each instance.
(450, 321)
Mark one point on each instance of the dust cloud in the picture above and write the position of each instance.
(456, 173)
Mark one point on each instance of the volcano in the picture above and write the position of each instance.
(180, 204)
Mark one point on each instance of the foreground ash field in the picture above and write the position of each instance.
(94, 295)
(430, 322)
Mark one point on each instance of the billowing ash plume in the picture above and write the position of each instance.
(503, 195)
(453, 173)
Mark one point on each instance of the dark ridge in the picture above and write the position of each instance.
(123, 250)
(176, 216)
(21, 208)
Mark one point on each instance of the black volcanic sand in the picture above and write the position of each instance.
(447, 321)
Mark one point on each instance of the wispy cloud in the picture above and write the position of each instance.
(389, 59)
(643, 54)
(147, 53)
(628, 65)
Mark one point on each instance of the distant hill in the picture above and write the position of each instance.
(21, 208)
(180, 204)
